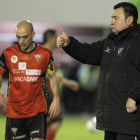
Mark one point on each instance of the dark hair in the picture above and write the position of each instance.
(129, 10)
(48, 34)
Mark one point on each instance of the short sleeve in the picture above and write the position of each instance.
(51, 59)
(3, 66)
(50, 68)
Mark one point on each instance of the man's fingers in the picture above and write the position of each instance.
(131, 109)
(54, 113)
(51, 114)
(62, 38)
(60, 41)
(1, 104)
(131, 105)
(4, 99)
(50, 111)
(128, 110)
(62, 30)
(135, 108)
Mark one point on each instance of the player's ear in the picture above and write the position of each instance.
(33, 34)
(130, 20)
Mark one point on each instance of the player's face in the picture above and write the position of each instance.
(118, 22)
(24, 38)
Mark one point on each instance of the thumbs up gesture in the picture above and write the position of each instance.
(62, 40)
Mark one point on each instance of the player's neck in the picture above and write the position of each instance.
(48, 46)
(29, 48)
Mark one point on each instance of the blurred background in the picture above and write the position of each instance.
(87, 21)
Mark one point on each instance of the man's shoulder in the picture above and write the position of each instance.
(136, 31)
(42, 48)
(13, 47)
(136, 34)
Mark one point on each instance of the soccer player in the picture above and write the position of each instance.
(49, 42)
(27, 63)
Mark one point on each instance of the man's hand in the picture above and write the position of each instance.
(54, 110)
(131, 105)
(2, 99)
(62, 40)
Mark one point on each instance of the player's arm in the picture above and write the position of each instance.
(2, 96)
(55, 105)
(72, 84)
(3, 70)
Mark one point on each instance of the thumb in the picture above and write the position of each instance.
(62, 30)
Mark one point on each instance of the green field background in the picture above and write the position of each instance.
(137, 4)
(72, 128)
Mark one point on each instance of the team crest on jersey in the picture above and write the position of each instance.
(14, 59)
(120, 50)
(14, 130)
(37, 56)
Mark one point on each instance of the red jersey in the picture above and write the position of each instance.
(26, 70)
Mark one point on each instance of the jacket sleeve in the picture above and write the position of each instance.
(135, 60)
(85, 53)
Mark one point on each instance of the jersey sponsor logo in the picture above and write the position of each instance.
(25, 58)
(37, 56)
(120, 50)
(22, 65)
(27, 79)
(35, 131)
(33, 72)
(27, 72)
(14, 130)
(19, 137)
(14, 59)
(15, 71)
(108, 50)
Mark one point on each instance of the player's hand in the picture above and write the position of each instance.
(2, 99)
(131, 105)
(63, 39)
(54, 110)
